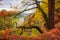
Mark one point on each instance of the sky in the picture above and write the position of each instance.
(5, 4)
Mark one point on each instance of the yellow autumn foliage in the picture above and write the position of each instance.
(57, 4)
(38, 14)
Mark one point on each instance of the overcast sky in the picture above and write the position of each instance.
(5, 4)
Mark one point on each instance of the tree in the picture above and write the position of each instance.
(37, 6)
(6, 20)
(51, 7)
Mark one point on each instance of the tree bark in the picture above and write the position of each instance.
(51, 6)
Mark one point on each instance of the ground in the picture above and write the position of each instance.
(53, 34)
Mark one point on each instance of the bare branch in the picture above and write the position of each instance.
(24, 11)
(29, 9)
(31, 28)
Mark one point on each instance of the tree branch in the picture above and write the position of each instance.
(24, 11)
(40, 9)
(30, 9)
(31, 28)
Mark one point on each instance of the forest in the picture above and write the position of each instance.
(29, 19)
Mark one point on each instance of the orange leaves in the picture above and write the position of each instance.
(5, 13)
(53, 34)
(5, 32)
